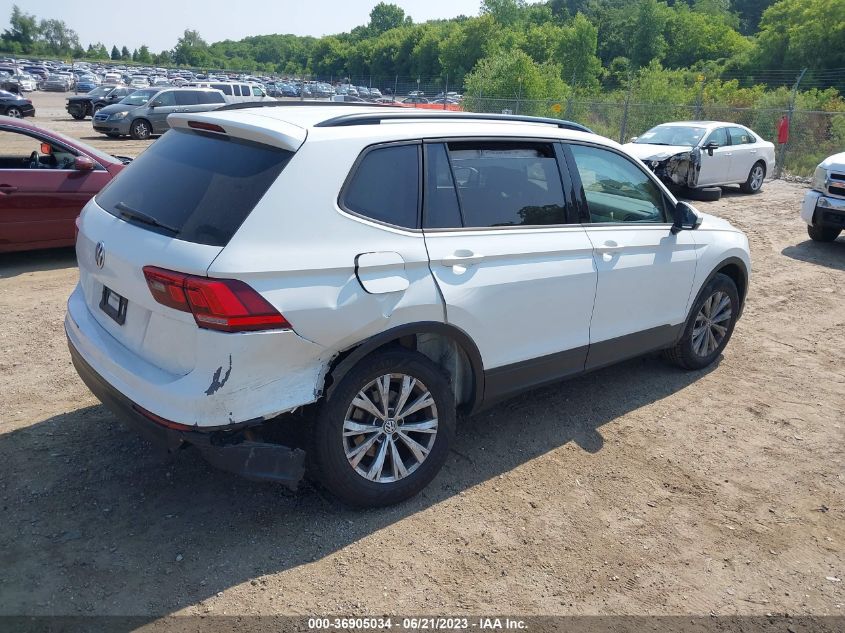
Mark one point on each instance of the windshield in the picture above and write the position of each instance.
(672, 135)
(139, 97)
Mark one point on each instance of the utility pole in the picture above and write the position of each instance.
(780, 163)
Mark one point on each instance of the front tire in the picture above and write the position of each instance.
(709, 325)
(754, 182)
(141, 130)
(822, 233)
(77, 116)
(384, 431)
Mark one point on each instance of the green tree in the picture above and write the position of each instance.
(646, 40)
(505, 12)
(191, 50)
(24, 29)
(125, 55)
(513, 76)
(384, 17)
(576, 54)
(115, 54)
(802, 33)
(143, 56)
(57, 38)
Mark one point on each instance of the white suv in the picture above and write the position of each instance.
(379, 269)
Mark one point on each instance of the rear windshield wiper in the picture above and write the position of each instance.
(133, 214)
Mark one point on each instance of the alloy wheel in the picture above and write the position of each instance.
(14, 113)
(757, 175)
(390, 428)
(711, 324)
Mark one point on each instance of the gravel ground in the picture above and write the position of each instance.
(639, 489)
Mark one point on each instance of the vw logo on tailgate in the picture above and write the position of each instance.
(100, 255)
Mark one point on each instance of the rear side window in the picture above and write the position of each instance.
(385, 186)
(211, 97)
(195, 187)
(237, 90)
(187, 97)
(740, 136)
(507, 184)
(441, 209)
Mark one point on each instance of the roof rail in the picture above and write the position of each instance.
(245, 105)
(362, 118)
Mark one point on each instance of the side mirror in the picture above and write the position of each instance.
(685, 218)
(83, 163)
(633, 139)
(711, 146)
(153, 104)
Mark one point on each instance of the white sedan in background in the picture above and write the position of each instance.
(700, 154)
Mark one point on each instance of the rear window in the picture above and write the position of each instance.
(195, 187)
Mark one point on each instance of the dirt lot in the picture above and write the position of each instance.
(639, 489)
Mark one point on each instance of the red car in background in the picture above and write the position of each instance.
(45, 180)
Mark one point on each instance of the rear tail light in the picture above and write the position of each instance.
(227, 305)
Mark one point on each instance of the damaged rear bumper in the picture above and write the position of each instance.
(223, 447)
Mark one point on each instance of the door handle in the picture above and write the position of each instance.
(8, 189)
(753, 151)
(462, 258)
(609, 247)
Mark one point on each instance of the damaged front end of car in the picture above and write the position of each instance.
(679, 170)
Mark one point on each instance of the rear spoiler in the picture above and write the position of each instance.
(283, 134)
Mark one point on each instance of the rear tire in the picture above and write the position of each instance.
(754, 182)
(13, 112)
(709, 325)
(823, 233)
(141, 130)
(397, 464)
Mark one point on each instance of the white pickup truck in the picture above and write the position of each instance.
(824, 205)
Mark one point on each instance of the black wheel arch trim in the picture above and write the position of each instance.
(352, 355)
(742, 291)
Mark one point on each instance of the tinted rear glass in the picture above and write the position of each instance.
(201, 186)
(385, 186)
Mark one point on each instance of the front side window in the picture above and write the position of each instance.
(385, 186)
(507, 183)
(22, 151)
(718, 136)
(616, 189)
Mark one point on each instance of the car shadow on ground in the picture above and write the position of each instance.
(14, 264)
(97, 522)
(830, 255)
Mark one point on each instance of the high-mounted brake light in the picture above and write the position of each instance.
(208, 127)
(227, 305)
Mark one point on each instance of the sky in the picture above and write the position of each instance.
(159, 23)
